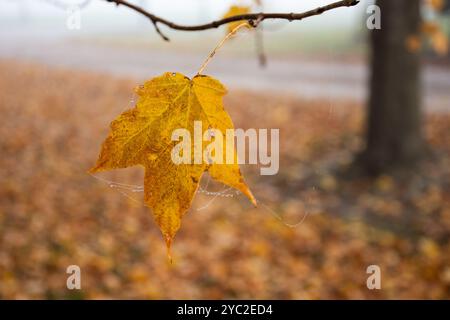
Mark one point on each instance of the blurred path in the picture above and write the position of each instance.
(326, 79)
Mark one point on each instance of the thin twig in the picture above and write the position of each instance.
(259, 47)
(249, 16)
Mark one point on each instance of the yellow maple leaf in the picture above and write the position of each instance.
(235, 11)
(143, 136)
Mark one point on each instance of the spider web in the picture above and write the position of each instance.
(128, 190)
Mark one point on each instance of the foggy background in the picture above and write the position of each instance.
(316, 228)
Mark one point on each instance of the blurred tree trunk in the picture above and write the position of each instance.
(394, 137)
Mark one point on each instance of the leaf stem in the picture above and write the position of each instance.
(220, 44)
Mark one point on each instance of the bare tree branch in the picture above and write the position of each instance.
(251, 17)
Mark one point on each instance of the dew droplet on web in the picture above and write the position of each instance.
(133, 100)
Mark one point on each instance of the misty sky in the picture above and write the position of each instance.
(100, 13)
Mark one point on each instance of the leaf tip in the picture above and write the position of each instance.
(250, 196)
(169, 247)
(253, 201)
(94, 169)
